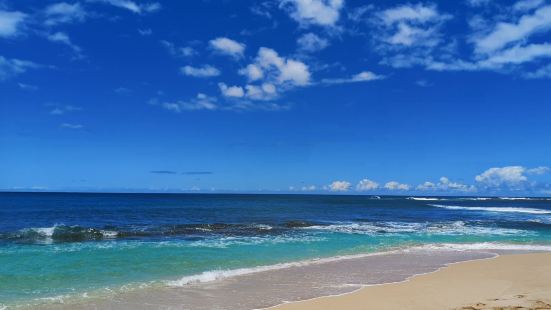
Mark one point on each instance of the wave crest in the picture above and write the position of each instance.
(495, 209)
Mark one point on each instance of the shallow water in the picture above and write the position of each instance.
(62, 247)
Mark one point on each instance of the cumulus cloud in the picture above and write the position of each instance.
(269, 74)
(63, 12)
(364, 76)
(509, 176)
(231, 91)
(446, 184)
(228, 46)
(205, 71)
(10, 23)
(12, 67)
(339, 186)
(366, 185)
(253, 72)
(310, 42)
(426, 186)
(265, 91)
(314, 12)
(134, 7)
(282, 70)
(393, 185)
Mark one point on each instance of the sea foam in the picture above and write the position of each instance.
(495, 209)
(437, 228)
(486, 246)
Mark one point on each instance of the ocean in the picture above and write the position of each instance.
(69, 247)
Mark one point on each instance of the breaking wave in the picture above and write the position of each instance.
(495, 209)
(442, 228)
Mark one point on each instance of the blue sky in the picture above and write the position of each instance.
(317, 96)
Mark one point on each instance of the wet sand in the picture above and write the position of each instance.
(521, 281)
(268, 288)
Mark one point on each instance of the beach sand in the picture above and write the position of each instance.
(520, 281)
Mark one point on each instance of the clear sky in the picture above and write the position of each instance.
(320, 96)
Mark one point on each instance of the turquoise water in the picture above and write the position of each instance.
(71, 245)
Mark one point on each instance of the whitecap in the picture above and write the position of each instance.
(424, 198)
(496, 209)
(486, 246)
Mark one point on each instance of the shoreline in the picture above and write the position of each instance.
(533, 291)
(452, 254)
(353, 273)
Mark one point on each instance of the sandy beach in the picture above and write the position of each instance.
(520, 281)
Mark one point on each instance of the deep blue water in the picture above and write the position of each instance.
(69, 244)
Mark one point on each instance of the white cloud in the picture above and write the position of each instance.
(478, 3)
(145, 32)
(200, 102)
(138, 8)
(339, 186)
(71, 126)
(317, 12)
(366, 185)
(27, 87)
(63, 38)
(541, 73)
(12, 67)
(252, 72)
(208, 103)
(426, 186)
(516, 55)
(228, 47)
(310, 42)
(506, 33)
(10, 23)
(410, 25)
(526, 5)
(205, 71)
(364, 76)
(177, 51)
(308, 188)
(508, 176)
(283, 70)
(501, 46)
(231, 91)
(267, 76)
(63, 12)
(538, 170)
(393, 185)
(446, 184)
(266, 91)
(415, 13)
(423, 83)
(59, 110)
